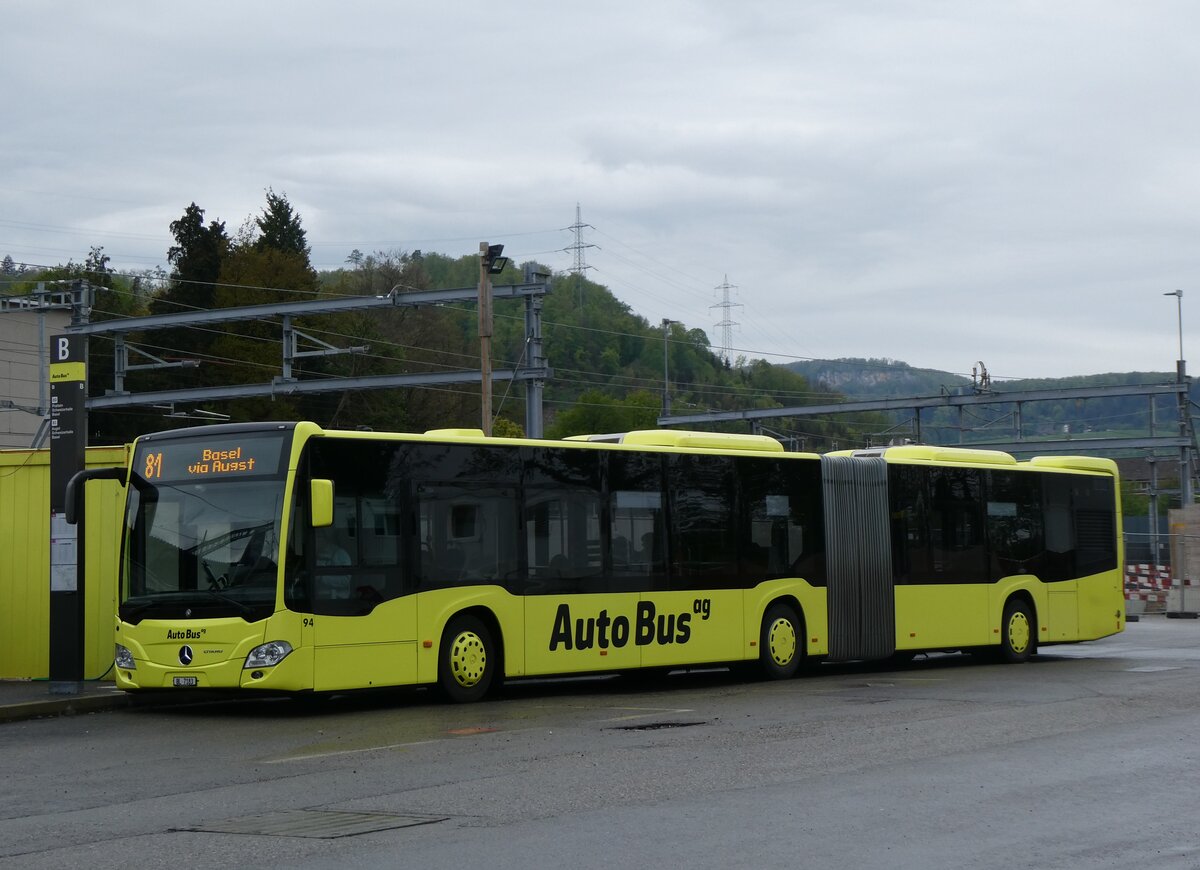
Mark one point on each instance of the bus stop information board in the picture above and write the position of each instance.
(68, 440)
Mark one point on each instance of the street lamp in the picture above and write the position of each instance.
(666, 327)
(1185, 458)
(1178, 294)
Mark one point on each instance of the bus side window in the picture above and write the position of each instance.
(637, 520)
(908, 504)
(1059, 561)
(703, 543)
(637, 514)
(356, 560)
(469, 534)
(956, 525)
(331, 554)
(1016, 538)
(562, 540)
(466, 512)
(782, 527)
(562, 536)
(467, 557)
(1094, 518)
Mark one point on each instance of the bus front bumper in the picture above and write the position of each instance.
(293, 673)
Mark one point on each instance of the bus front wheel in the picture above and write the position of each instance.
(780, 643)
(468, 660)
(1018, 632)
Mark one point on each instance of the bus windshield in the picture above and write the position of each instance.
(200, 545)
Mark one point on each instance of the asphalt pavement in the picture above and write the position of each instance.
(35, 699)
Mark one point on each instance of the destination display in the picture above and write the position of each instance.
(208, 458)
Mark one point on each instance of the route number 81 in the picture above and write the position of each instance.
(153, 466)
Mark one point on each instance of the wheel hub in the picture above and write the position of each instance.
(468, 659)
(1018, 632)
(781, 642)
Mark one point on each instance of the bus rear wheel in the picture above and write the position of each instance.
(467, 662)
(780, 643)
(1018, 632)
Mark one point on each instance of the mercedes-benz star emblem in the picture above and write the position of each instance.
(185, 655)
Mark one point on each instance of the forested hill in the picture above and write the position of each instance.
(885, 378)
(876, 378)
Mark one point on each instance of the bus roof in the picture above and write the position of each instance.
(933, 453)
(942, 455)
(684, 438)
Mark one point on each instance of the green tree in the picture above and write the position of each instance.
(399, 339)
(505, 428)
(196, 259)
(266, 263)
(280, 228)
(597, 412)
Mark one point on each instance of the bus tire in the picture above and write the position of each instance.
(1018, 632)
(780, 643)
(467, 661)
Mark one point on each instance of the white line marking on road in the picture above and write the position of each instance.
(647, 712)
(337, 752)
(1149, 669)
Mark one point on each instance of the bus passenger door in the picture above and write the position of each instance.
(578, 617)
(693, 611)
(365, 618)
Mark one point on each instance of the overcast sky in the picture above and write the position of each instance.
(935, 182)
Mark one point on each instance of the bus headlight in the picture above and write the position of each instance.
(124, 659)
(268, 654)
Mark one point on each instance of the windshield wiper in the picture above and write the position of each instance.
(176, 600)
(129, 611)
(244, 609)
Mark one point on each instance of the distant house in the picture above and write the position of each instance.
(1137, 477)
(1136, 473)
(24, 364)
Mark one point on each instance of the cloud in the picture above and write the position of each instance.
(931, 181)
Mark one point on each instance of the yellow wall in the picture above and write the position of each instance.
(25, 563)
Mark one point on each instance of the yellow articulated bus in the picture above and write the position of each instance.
(286, 557)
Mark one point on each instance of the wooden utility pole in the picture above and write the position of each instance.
(485, 336)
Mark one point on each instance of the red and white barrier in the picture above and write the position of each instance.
(1150, 583)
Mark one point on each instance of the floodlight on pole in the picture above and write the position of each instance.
(490, 263)
(496, 263)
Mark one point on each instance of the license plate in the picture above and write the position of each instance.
(185, 682)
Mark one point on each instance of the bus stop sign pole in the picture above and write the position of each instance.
(68, 440)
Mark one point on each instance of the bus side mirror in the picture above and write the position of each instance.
(75, 488)
(321, 502)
